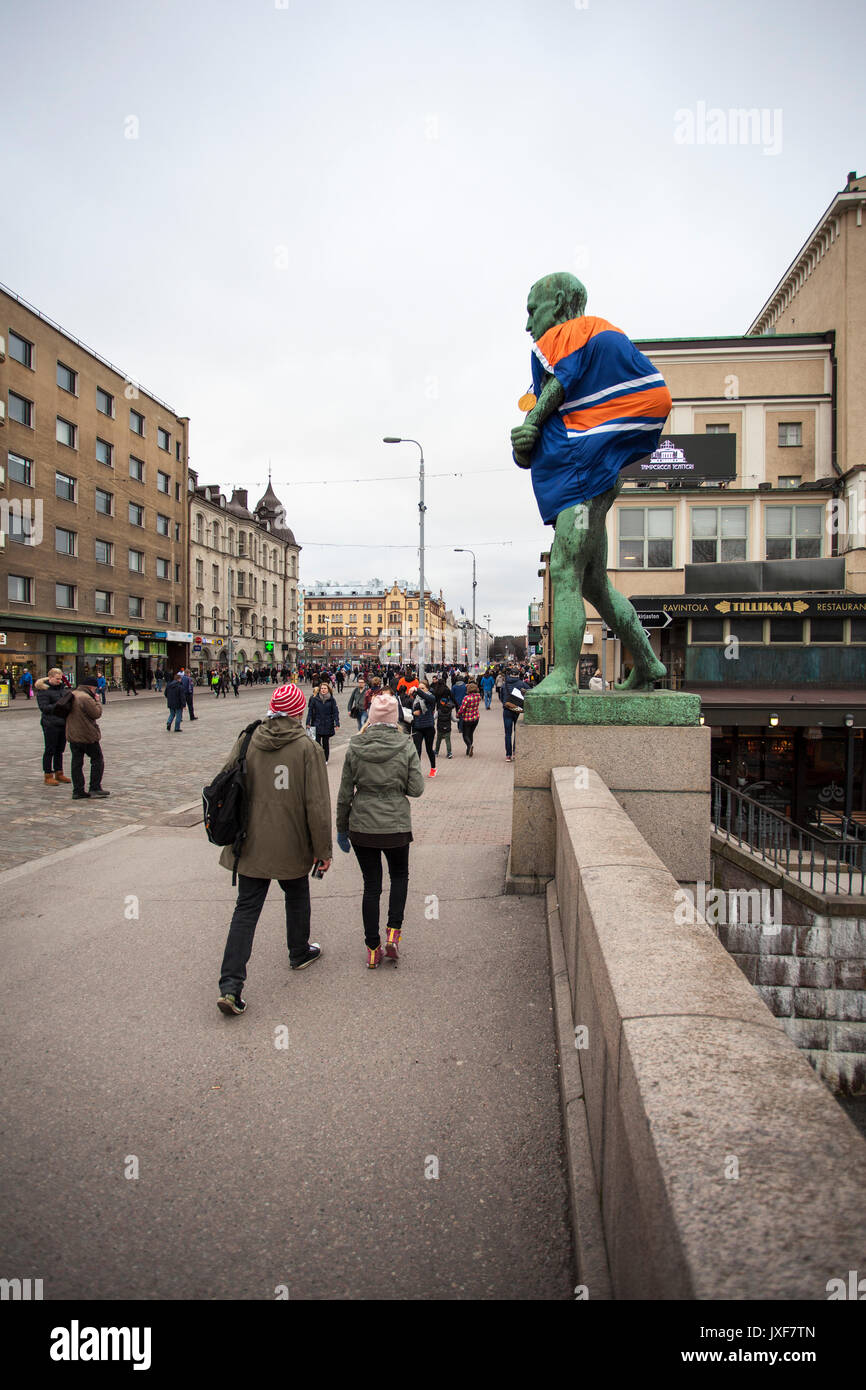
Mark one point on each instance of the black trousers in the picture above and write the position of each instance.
(251, 899)
(468, 731)
(370, 861)
(423, 738)
(97, 765)
(55, 742)
(325, 741)
(189, 705)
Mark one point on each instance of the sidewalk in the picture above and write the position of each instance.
(309, 1164)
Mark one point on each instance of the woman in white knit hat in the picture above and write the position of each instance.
(380, 772)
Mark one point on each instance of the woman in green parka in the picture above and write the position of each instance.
(380, 772)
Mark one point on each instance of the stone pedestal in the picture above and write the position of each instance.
(648, 748)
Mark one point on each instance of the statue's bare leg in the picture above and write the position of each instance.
(616, 610)
(568, 558)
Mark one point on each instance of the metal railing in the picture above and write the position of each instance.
(829, 863)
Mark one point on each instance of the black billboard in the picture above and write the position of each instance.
(687, 458)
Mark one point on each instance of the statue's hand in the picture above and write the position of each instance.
(523, 440)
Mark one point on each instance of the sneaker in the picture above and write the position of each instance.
(432, 772)
(97, 791)
(392, 943)
(374, 957)
(449, 755)
(168, 728)
(81, 796)
(313, 953)
(508, 757)
(231, 1004)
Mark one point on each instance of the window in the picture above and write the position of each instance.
(20, 469)
(136, 514)
(215, 574)
(177, 530)
(20, 350)
(136, 607)
(786, 629)
(274, 595)
(19, 588)
(214, 618)
(177, 450)
(177, 492)
(718, 533)
(20, 409)
(64, 541)
(177, 574)
(162, 610)
(199, 528)
(162, 571)
(102, 601)
(64, 595)
(136, 468)
(826, 630)
(718, 429)
(793, 533)
(790, 436)
(67, 379)
(103, 552)
(163, 481)
(64, 487)
(163, 525)
(136, 422)
(104, 452)
(66, 433)
(104, 501)
(216, 535)
(163, 439)
(136, 561)
(646, 538)
(104, 402)
(199, 574)
(789, 480)
(21, 525)
(747, 629)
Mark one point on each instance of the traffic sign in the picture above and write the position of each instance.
(654, 617)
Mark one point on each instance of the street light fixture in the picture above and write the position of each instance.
(398, 439)
(464, 550)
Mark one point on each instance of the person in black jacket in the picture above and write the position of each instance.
(444, 711)
(423, 713)
(48, 691)
(176, 700)
(324, 716)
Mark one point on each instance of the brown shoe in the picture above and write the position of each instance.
(50, 779)
(59, 777)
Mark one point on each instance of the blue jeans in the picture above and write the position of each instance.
(509, 720)
(176, 715)
(488, 696)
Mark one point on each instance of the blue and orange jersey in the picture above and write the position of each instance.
(615, 407)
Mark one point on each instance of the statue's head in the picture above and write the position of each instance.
(555, 299)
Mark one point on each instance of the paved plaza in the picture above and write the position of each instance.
(356, 1134)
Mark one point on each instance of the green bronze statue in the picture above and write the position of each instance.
(597, 405)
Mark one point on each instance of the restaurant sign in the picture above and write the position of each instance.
(756, 606)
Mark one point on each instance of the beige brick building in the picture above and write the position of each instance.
(93, 484)
(243, 580)
(372, 622)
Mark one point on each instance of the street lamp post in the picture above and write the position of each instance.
(396, 439)
(464, 550)
(231, 576)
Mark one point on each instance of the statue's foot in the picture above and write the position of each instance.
(643, 677)
(557, 683)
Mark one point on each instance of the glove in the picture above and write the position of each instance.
(343, 841)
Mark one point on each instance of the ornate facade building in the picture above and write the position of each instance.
(243, 580)
(371, 621)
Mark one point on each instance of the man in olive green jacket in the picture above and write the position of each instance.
(288, 831)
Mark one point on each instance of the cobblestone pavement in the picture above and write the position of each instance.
(152, 774)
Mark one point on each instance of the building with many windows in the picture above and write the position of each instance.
(93, 534)
(371, 621)
(753, 585)
(243, 580)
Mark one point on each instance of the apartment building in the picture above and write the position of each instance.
(243, 580)
(93, 509)
(372, 622)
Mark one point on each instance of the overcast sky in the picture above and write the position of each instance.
(328, 223)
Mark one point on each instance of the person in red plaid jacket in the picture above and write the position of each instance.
(468, 713)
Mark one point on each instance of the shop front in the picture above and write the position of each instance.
(21, 651)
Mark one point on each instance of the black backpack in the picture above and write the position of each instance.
(64, 706)
(225, 804)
